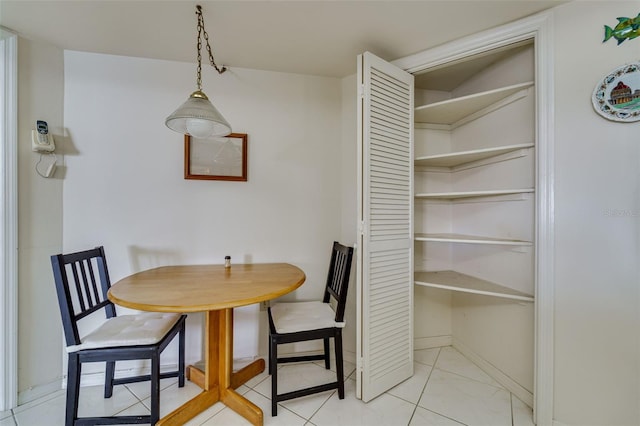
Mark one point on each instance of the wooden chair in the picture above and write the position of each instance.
(303, 321)
(82, 282)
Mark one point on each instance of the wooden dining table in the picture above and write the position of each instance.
(214, 290)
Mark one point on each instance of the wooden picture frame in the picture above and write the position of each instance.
(219, 158)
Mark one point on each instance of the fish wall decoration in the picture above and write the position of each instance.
(627, 29)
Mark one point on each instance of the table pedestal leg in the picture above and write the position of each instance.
(218, 379)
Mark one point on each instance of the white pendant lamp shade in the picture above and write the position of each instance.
(198, 117)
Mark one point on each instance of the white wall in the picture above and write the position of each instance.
(597, 303)
(40, 97)
(124, 185)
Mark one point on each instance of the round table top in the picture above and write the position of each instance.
(198, 288)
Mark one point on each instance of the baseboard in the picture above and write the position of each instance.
(431, 342)
(511, 385)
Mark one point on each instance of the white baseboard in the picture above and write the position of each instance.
(511, 385)
(432, 342)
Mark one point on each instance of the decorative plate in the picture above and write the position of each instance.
(617, 96)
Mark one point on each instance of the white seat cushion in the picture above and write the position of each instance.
(303, 316)
(128, 330)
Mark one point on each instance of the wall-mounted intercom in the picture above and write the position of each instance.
(41, 139)
(42, 142)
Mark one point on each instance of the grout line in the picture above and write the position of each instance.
(446, 417)
(425, 385)
(499, 387)
(292, 412)
(323, 404)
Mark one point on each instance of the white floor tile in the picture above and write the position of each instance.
(142, 390)
(228, 417)
(299, 376)
(466, 400)
(452, 393)
(174, 396)
(135, 410)
(347, 367)
(411, 389)
(256, 380)
(93, 403)
(49, 413)
(31, 404)
(423, 417)
(426, 356)
(454, 362)
(7, 420)
(385, 410)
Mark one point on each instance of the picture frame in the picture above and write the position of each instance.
(218, 158)
(617, 95)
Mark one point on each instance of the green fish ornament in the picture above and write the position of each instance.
(627, 28)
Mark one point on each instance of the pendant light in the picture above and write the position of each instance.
(197, 116)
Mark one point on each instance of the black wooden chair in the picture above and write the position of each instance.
(303, 321)
(82, 282)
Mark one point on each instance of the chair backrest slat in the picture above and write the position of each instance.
(80, 291)
(94, 286)
(85, 282)
(76, 281)
(338, 277)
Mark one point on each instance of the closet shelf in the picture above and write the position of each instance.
(456, 281)
(452, 110)
(470, 194)
(469, 239)
(459, 158)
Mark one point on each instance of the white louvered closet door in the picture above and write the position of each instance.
(385, 211)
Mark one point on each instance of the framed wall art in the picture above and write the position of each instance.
(218, 158)
(617, 96)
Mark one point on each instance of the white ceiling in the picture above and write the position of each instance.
(307, 37)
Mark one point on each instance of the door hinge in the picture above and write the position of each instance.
(362, 228)
(361, 91)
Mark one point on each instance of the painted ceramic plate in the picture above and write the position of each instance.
(617, 96)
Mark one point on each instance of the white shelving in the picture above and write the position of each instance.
(456, 281)
(475, 174)
(471, 194)
(470, 239)
(459, 158)
(451, 111)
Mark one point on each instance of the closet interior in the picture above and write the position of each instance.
(474, 212)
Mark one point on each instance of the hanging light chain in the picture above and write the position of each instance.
(203, 33)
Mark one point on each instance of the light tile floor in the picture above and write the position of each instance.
(446, 389)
